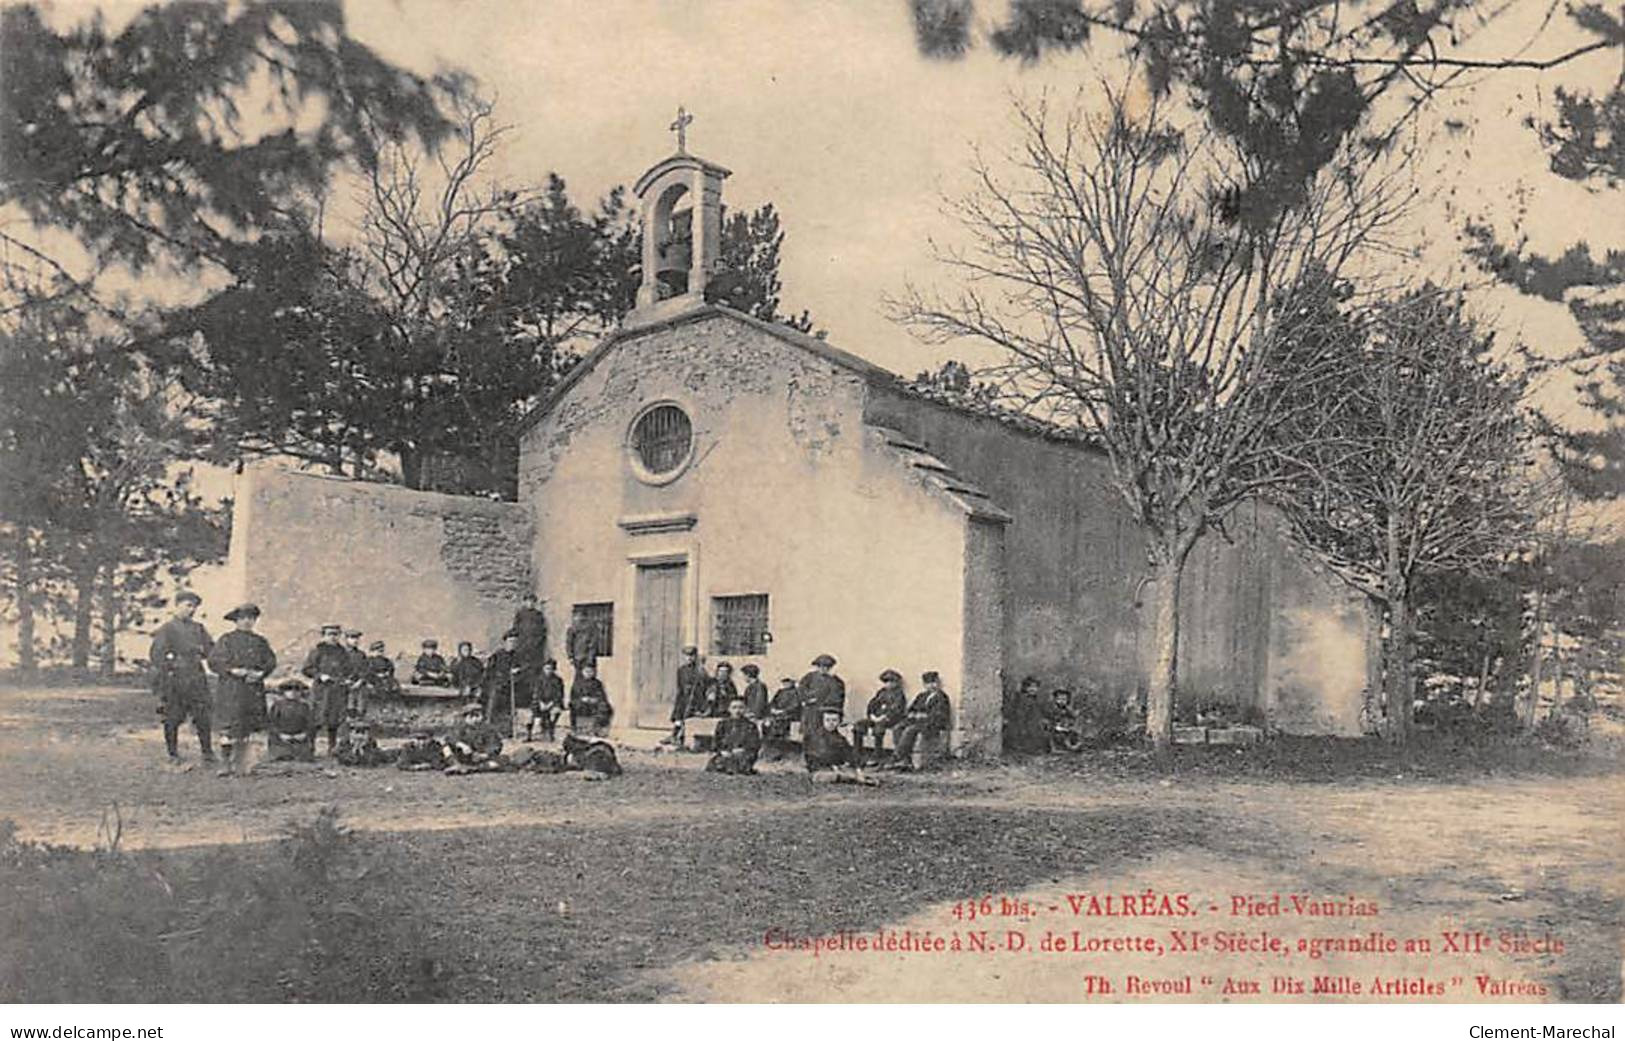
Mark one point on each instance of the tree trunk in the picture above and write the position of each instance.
(26, 658)
(84, 605)
(411, 467)
(1537, 656)
(1483, 681)
(109, 619)
(1400, 687)
(1164, 679)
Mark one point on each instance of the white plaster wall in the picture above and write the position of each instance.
(401, 565)
(858, 559)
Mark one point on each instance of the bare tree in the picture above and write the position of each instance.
(425, 212)
(1420, 463)
(1128, 270)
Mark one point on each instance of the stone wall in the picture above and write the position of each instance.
(399, 564)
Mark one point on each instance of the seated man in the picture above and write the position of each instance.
(1061, 728)
(290, 724)
(358, 747)
(590, 710)
(474, 745)
(431, 669)
(549, 701)
(721, 692)
(886, 709)
(756, 697)
(380, 679)
(927, 718)
(737, 742)
(422, 751)
(467, 672)
(830, 757)
(595, 758)
(784, 709)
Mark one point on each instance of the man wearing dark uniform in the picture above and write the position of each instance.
(755, 694)
(530, 630)
(431, 669)
(821, 691)
(359, 748)
(474, 744)
(581, 644)
(179, 649)
(722, 692)
(241, 659)
(468, 672)
(886, 710)
(927, 718)
(692, 686)
(549, 700)
(737, 744)
(830, 757)
(290, 725)
(422, 751)
(331, 668)
(590, 710)
(506, 691)
(380, 679)
(784, 709)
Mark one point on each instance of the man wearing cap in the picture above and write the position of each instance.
(737, 742)
(755, 693)
(821, 691)
(693, 685)
(290, 725)
(550, 699)
(179, 649)
(784, 709)
(927, 718)
(590, 710)
(431, 669)
(331, 669)
(473, 745)
(241, 659)
(581, 644)
(530, 628)
(381, 681)
(506, 691)
(886, 709)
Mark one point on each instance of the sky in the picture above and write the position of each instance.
(825, 109)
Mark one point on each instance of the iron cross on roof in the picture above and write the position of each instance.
(680, 125)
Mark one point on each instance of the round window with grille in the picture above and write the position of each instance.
(662, 438)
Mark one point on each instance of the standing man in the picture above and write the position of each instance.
(886, 709)
(179, 649)
(821, 691)
(530, 628)
(927, 718)
(756, 696)
(332, 669)
(581, 643)
(692, 687)
(241, 659)
(506, 689)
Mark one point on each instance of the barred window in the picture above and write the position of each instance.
(601, 619)
(662, 437)
(739, 624)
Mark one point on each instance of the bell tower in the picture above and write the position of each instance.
(680, 202)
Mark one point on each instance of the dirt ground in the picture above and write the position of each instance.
(1043, 881)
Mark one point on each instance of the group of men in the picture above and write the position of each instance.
(240, 660)
(754, 719)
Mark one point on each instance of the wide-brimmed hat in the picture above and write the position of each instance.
(186, 596)
(890, 676)
(824, 659)
(243, 611)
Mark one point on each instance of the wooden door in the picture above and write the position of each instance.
(660, 642)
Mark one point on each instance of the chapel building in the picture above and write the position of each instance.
(704, 477)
